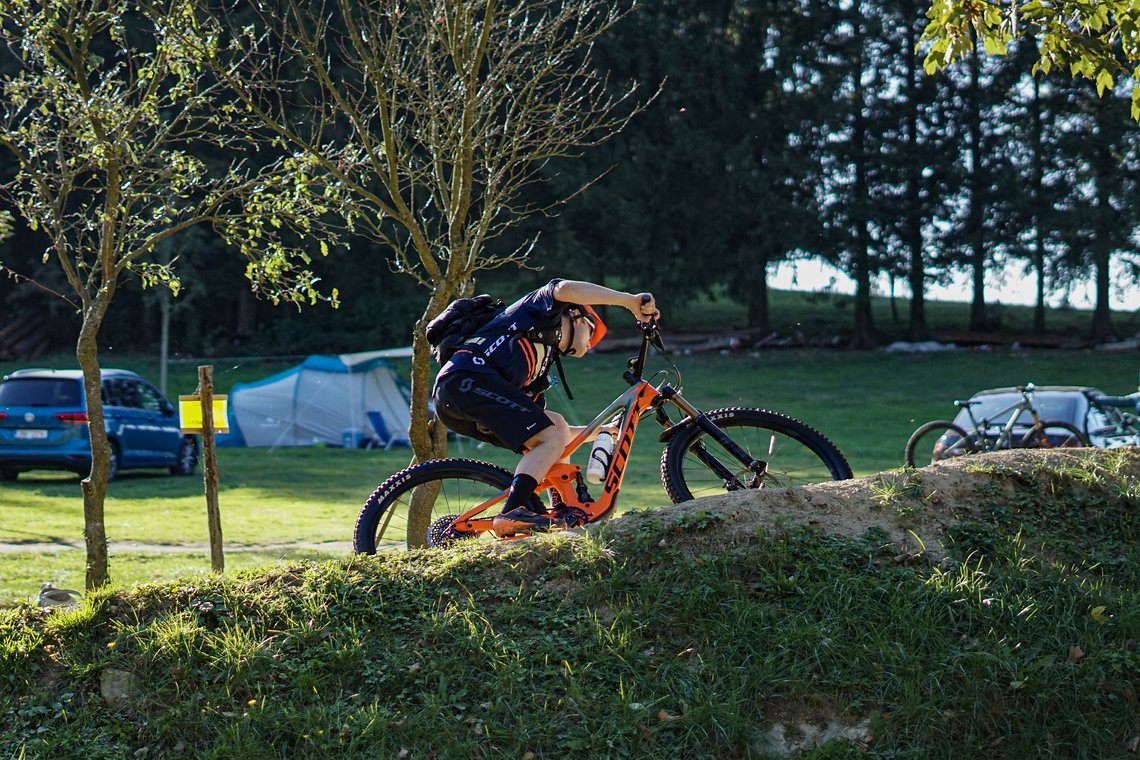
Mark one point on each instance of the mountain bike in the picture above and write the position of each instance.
(731, 449)
(1121, 428)
(942, 439)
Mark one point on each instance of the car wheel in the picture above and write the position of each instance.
(8, 473)
(113, 470)
(187, 458)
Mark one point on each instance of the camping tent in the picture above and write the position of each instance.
(345, 400)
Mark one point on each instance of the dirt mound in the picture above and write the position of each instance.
(912, 508)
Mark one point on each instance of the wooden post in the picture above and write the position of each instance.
(210, 466)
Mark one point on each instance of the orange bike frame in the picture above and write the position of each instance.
(564, 477)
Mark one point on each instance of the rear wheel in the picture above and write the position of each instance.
(1054, 434)
(459, 485)
(694, 464)
(8, 474)
(936, 442)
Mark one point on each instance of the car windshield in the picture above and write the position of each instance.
(39, 391)
(1051, 406)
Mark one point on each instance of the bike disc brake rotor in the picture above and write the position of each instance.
(441, 533)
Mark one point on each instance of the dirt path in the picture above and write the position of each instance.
(334, 547)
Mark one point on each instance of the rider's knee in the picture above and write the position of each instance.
(560, 425)
(556, 434)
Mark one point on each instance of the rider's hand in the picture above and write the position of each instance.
(646, 308)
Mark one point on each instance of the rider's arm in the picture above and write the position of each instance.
(641, 305)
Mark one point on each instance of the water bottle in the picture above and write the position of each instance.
(600, 458)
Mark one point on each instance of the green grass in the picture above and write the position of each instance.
(866, 402)
(662, 640)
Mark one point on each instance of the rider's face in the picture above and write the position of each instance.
(583, 332)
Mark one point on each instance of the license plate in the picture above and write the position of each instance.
(32, 435)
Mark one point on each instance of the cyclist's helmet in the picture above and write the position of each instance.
(582, 311)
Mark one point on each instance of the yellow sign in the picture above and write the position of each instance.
(190, 414)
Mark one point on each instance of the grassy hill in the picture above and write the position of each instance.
(984, 608)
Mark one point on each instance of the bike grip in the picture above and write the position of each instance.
(646, 298)
(1124, 402)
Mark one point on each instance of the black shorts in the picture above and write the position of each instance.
(487, 407)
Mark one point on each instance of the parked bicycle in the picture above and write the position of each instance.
(1119, 428)
(722, 450)
(1023, 429)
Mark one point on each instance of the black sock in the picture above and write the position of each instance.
(521, 493)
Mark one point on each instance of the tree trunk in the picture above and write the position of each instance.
(245, 328)
(758, 316)
(916, 327)
(94, 486)
(912, 231)
(426, 434)
(1102, 328)
(865, 334)
(1038, 209)
(974, 223)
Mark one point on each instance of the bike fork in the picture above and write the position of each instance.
(707, 458)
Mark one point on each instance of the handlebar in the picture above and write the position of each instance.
(1131, 401)
(650, 336)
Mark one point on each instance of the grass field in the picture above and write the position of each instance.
(718, 633)
(280, 504)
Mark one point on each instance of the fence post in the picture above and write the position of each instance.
(210, 466)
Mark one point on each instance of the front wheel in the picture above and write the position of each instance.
(457, 484)
(1054, 434)
(936, 442)
(694, 464)
(187, 458)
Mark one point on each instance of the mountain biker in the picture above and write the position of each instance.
(491, 388)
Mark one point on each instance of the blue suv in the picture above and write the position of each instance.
(43, 424)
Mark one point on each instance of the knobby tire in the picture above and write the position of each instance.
(928, 444)
(801, 454)
(465, 483)
(1049, 436)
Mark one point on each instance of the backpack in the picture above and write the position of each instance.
(462, 318)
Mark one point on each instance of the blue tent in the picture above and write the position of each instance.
(345, 400)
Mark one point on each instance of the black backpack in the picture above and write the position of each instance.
(462, 318)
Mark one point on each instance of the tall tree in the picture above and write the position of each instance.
(1099, 158)
(1036, 192)
(106, 116)
(850, 189)
(433, 116)
(913, 148)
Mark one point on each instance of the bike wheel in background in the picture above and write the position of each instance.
(795, 453)
(1054, 434)
(462, 484)
(936, 442)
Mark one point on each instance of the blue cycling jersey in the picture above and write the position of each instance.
(502, 345)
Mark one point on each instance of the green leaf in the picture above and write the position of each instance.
(1103, 82)
(994, 46)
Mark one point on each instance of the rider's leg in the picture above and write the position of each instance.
(543, 450)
